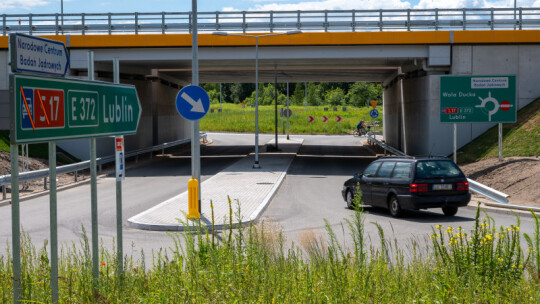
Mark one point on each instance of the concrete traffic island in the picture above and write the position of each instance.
(249, 189)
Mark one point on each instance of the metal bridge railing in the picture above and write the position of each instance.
(44, 173)
(270, 21)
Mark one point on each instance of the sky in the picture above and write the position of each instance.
(128, 6)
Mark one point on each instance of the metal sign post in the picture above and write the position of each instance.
(93, 192)
(275, 111)
(500, 141)
(455, 143)
(15, 222)
(305, 97)
(120, 176)
(195, 136)
(287, 111)
(281, 115)
(53, 221)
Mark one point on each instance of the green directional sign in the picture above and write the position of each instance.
(466, 99)
(48, 108)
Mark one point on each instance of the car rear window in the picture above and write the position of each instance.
(402, 170)
(437, 168)
(386, 169)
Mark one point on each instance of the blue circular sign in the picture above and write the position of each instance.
(192, 102)
(374, 113)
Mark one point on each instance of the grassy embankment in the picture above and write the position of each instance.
(255, 265)
(235, 119)
(35, 150)
(40, 150)
(519, 139)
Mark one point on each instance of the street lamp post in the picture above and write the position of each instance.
(515, 7)
(256, 165)
(62, 14)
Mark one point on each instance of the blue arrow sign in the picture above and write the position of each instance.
(38, 55)
(374, 113)
(192, 102)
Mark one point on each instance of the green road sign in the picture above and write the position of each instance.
(478, 99)
(48, 108)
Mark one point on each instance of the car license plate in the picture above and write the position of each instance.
(442, 187)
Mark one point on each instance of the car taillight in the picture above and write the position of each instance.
(418, 187)
(462, 186)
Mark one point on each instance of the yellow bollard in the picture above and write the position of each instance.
(193, 199)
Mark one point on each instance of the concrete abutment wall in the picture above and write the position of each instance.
(424, 133)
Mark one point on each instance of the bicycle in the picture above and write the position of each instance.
(361, 131)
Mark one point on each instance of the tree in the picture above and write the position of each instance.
(298, 95)
(314, 94)
(361, 92)
(268, 94)
(213, 95)
(240, 91)
(335, 97)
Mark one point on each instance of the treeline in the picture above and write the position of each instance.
(318, 93)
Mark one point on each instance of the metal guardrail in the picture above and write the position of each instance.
(383, 145)
(474, 186)
(270, 21)
(44, 173)
(486, 191)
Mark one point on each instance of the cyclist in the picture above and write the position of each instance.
(361, 125)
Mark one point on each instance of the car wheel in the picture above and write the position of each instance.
(449, 211)
(395, 207)
(350, 203)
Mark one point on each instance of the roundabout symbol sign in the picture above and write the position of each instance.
(504, 106)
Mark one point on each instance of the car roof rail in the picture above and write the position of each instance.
(396, 156)
(430, 156)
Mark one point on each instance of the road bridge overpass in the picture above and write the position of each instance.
(407, 63)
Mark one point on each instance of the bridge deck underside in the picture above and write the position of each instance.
(286, 64)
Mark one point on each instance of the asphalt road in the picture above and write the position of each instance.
(147, 184)
(311, 193)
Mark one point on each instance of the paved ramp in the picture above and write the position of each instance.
(249, 189)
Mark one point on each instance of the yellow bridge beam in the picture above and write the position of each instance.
(334, 38)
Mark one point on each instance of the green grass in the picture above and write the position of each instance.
(235, 119)
(4, 140)
(40, 150)
(256, 265)
(519, 139)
